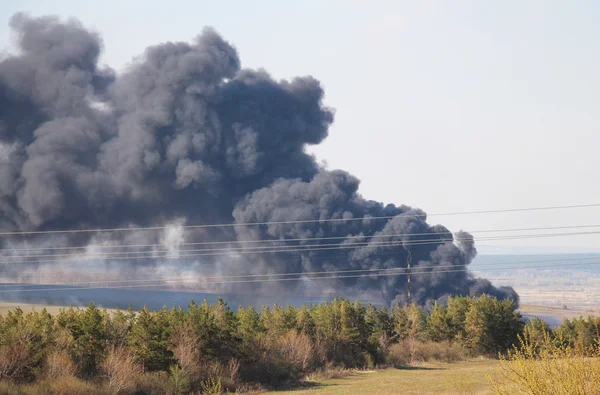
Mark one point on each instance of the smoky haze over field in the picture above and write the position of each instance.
(186, 136)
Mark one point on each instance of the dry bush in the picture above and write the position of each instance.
(59, 364)
(71, 386)
(121, 371)
(297, 349)
(10, 388)
(153, 383)
(271, 366)
(330, 371)
(281, 358)
(553, 368)
(15, 361)
(228, 373)
(186, 351)
(410, 351)
(399, 355)
(438, 352)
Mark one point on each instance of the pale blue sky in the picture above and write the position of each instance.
(448, 106)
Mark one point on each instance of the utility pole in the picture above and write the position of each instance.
(408, 263)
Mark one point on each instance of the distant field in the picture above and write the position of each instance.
(5, 307)
(554, 315)
(456, 378)
(562, 279)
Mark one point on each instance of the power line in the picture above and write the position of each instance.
(188, 253)
(98, 246)
(430, 272)
(221, 252)
(14, 233)
(407, 269)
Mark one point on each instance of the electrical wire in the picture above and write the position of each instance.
(128, 229)
(295, 279)
(98, 246)
(270, 249)
(193, 277)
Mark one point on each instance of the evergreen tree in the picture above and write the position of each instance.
(305, 321)
(416, 322)
(457, 311)
(249, 323)
(224, 340)
(400, 323)
(491, 326)
(149, 341)
(89, 334)
(439, 324)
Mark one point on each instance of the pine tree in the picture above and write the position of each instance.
(457, 311)
(249, 323)
(149, 340)
(224, 342)
(439, 324)
(416, 322)
(400, 323)
(305, 321)
(89, 334)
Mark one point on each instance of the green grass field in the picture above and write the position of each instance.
(457, 378)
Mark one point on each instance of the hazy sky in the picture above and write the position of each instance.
(447, 106)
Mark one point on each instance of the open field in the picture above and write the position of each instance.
(5, 307)
(457, 378)
(570, 280)
(554, 315)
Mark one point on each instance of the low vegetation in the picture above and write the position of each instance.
(211, 349)
(548, 362)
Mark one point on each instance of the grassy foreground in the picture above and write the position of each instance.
(430, 378)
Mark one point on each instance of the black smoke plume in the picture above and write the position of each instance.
(186, 136)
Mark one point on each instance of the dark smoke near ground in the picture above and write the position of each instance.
(186, 136)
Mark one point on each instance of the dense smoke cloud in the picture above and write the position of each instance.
(187, 136)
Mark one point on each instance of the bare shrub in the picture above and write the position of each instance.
(186, 351)
(399, 355)
(330, 371)
(297, 349)
(72, 386)
(121, 371)
(410, 351)
(384, 343)
(438, 351)
(10, 388)
(153, 383)
(228, 373)
(59, 364)
(233, 368)
(15, 361)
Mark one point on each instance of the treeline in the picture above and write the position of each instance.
(210, 348)
(581, 334)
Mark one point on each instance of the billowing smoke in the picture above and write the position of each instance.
(186, 136)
